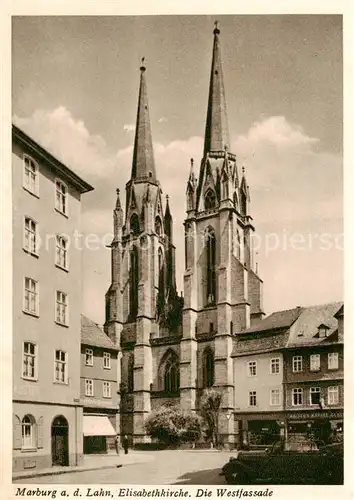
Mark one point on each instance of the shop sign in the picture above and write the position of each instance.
(331, 415)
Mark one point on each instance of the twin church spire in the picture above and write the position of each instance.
(216, 129)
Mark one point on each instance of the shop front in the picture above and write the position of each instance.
(99, 434)
(259, 430)
(308, 429)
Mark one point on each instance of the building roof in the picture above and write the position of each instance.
(296, 327)
(275, 321)
(50, 161)
(93, 335)
(305, 329)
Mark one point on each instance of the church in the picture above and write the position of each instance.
(174, 346)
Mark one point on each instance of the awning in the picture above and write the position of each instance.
(98, 426)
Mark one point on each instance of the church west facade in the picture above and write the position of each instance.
(172, 348)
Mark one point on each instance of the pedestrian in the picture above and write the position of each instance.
(125, 444)
(117, 444)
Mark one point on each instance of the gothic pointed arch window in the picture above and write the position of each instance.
(210, 200)
(134, 224)
(243, 202)
(134, 283)
(161, 283)
(158, 226)
(208, 368)
(210, 242)
(170, 373)
(130, 381)
(238, 244)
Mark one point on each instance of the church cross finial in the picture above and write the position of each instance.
(243, 169)
(216, 28)
(142, 67)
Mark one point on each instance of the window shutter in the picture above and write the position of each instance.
(17, 433)
(40, 433)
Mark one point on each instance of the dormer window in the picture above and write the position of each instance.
(323, 331)
(209, 200)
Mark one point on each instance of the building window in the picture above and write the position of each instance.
(28, 438)
(333, 361)
(171, 375)
(134, 283)
(211, 266)
(333, 395)
(88, 387)
(160, 306)
(107, 360)
(131, 374)
(60, 367)
(252, 368)
(297, 363)
(31, 296)
(297, 397)
(209, 370)
(61, 255)
(107, 390)
(315, 362)
(62, 308)
(29, 360)
(158, 226)
(30, 236)
(61, 197)
(134, 224)
(252, 398)
(315, 396)
(275, 397)
(275, 366)
(89, 357)
(30, 181)
(210, 200)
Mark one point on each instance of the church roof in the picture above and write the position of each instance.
(93, 335)
(216, 128)
(143, 167)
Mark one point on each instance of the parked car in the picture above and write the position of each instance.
(277, 466)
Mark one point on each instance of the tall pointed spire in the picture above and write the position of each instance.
(216, 129)
(143, 167)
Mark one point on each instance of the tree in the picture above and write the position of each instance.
(210, 405)
(171, 426)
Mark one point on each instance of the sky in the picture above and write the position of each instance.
(75, 90)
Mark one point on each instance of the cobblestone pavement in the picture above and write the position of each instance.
(166, 467)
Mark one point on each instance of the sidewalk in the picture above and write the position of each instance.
(90, 462)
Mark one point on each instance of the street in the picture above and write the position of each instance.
(167, 467)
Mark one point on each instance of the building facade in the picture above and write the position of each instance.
(289, 373)
(173, 348)
(47, 413)
(99, 388)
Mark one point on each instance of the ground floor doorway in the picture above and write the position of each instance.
(60, 441)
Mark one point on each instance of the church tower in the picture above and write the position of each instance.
(222, 290)
(143, 286)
